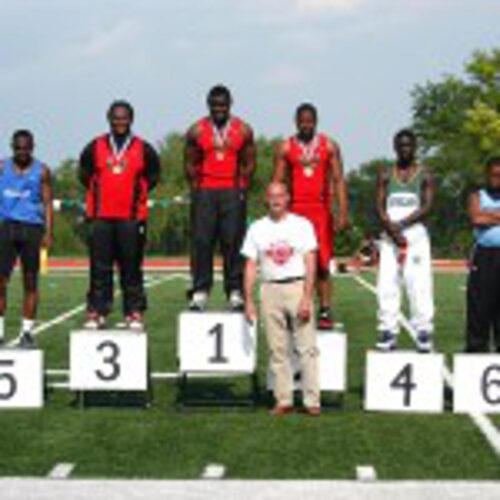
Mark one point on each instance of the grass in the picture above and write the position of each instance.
(165, 442)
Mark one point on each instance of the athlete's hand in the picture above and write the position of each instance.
(305, 309)
(341, 223)
(250, 311)
(47, 241)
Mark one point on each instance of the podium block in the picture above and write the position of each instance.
(476, 383)
(404, 382)
(213, 342)
(108, 360)
(21, 378)
(332, 363)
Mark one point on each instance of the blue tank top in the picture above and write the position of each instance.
(21, 193)
(488, 236)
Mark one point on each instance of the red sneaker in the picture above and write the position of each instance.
(325, 319)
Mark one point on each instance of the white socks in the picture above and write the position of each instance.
(27, 325)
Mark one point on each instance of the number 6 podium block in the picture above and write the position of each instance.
(21, 378)
(404, 381)
(214, 342)
(476, 383)
(108, 360)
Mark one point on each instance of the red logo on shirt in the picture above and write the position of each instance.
(280, 252)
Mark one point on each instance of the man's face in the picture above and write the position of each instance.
(494, 177)
(405, 148)
(22, 148)
(219, 107)
(120, 120)
(277, 198)
(306, 125)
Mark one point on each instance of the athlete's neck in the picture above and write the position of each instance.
(22, 164)
(120, 139)
(405, 164)
(220, 124)
(306, 138)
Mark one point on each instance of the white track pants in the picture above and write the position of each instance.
(415, 275)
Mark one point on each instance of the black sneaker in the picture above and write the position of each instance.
(325, 319)
(424, 342)
(386, 341)
(27, 341)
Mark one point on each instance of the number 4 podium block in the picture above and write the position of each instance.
(404, 382)
(108, 360)
(21, 378)
(216, 342)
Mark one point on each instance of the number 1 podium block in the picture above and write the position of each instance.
(108, 360)
(21, 378)
(332, 364)
(476, 383)
(404, 381)
(216, 342)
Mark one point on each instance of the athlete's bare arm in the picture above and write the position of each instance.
(47, 206)
(480, 217)
(428, 192)
(390, 228)
(192, 154)
(248, 155)
(280, 163)
(339, 186)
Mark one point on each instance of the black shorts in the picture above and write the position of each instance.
(18, 239)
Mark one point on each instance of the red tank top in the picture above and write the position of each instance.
(118, 188)
(219, 164)
(309, 171)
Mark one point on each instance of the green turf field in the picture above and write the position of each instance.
(165, 442)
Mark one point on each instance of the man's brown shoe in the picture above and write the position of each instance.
(279, 411)
(313, 411)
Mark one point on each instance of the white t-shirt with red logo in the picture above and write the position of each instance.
(279, 246)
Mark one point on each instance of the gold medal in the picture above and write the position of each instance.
(308, 171)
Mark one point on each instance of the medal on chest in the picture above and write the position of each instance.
(309, 157)
(221, 141)
(116, 162)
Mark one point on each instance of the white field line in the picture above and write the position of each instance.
(78, 309)
(484, 424)
(366, 473)
(213, 471)
(61, 471)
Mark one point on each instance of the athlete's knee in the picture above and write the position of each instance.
(30, 281)
(323, 273)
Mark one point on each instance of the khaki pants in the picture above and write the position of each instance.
(280, 301)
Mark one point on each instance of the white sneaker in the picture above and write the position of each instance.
(236, 302)
(94, 321)
(135, 322)
(198, 301)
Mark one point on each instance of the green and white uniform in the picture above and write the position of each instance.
(415, 273)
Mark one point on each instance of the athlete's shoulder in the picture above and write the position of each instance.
(285, 146)
(244, 126)
(194, 131)
(331, 144)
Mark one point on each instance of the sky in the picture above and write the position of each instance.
(63, 61)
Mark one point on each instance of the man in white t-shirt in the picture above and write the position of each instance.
(284, 246)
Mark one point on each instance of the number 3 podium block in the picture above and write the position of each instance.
(108, 360)
(212, 342)
(476, 383)
(404, 381)
(21, 378)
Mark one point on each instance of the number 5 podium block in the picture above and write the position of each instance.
(108, 360)
(476, 383)
(21, 378)
(404, 381)
(212, 342)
